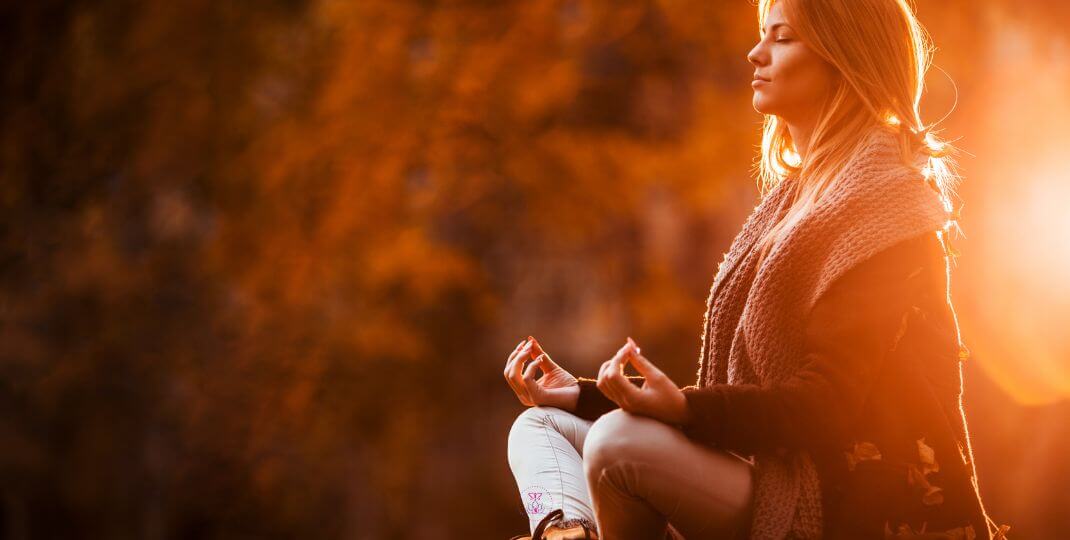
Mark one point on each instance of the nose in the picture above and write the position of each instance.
(757, 56)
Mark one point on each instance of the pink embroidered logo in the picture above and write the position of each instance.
(537, 501)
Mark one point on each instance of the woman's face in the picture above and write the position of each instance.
(791, 80)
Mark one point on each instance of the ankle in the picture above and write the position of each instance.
(573, 522)
(574, 528)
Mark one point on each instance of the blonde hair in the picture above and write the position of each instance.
(881, 53)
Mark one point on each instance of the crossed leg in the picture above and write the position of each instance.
(643, 474)
(545, 445)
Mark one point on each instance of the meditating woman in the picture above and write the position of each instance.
(828, 396)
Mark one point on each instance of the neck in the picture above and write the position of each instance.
(800, 135)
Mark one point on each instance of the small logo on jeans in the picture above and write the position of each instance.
(537, 501)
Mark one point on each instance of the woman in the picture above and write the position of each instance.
(828, 396)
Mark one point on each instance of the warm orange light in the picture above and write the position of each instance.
(1018, 257)
(1024, 294)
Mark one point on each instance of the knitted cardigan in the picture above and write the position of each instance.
(889, 467)
(753, 330)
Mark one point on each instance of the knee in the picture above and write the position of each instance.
(613, 437)
(530, 422)
(532, 418)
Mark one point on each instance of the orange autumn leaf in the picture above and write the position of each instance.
(916, 478)
(962, 533)
(1001, 534)
(933, 496)
(904, 531)
(928, 457)
(863, 451)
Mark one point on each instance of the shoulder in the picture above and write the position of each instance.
(923, 249)
(877, 192)
(899, 269)
(870, 300)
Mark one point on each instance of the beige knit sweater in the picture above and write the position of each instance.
(755, 320)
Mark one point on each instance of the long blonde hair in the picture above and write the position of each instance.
(881, 53)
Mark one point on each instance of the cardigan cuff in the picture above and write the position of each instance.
(705, 414)
(592, 403)
(729, 417)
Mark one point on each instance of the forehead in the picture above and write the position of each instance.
(774, 17)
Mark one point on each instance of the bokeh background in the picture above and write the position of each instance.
(261, 263)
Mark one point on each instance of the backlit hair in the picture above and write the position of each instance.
(881, 54)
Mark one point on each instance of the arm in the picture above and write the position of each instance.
(592, 403)
(851, 329)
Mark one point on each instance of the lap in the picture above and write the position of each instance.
(699, 488)
(642, 439)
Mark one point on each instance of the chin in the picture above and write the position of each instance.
(763, 104)
(760, 105)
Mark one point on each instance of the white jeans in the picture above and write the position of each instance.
(633, 476)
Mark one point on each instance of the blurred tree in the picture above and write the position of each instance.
(263, 262)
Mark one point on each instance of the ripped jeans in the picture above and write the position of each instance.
(628, 475)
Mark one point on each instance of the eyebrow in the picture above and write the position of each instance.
(775, 26)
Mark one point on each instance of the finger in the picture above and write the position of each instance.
(617, 381)
(512, 356)
(616, 363)
(614, 373)
(616, 356)
(623, 396)
(518, 361)
(603, 381)
(626, 391)
(536, 351)
(603, 372)
(510, 362)
(530, 385)
(602, 369)
(645, 367)
(529, 372)
(536, 348)
(509, 368)
(516, 372)
(619, 360)
(626, 401)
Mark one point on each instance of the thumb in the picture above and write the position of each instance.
(535, 390)
(536, 349)
(544, 358)
(645, 367)
(529, 372)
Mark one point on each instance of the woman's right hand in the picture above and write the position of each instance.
(556, 388)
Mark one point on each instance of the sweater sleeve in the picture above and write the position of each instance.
(850, 331)
(592, 403)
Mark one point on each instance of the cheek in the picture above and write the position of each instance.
(803, 78)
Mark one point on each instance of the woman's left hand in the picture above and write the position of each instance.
(658, 398)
